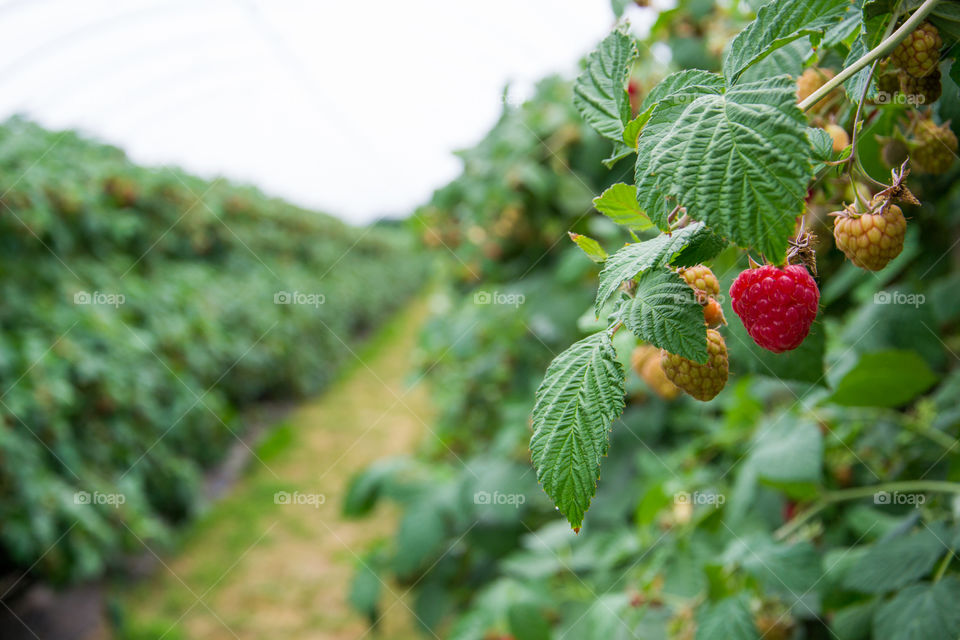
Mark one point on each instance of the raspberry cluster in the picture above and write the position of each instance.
(919, 53)
(777, 306)
(871, 240)
(922, 91)
(702, 381)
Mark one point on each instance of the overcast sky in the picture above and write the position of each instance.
(352, 107)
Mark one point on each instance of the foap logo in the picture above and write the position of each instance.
(99, 297)
(485, 497)
(496, 297)
(699, 497)
(301, 499)
(299, 297)
(898, 297)
(913, 99)
(896, 497)
(111, 499)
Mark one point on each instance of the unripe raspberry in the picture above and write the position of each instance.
(652, 373)
(702, 280)
(839, 136)
(887, 86)
(811, 80)
(921, 91)
(640, 355)
(713, 314)
(871, 240)
(777, 306)
(934, 148)
(919, 53)
(702, 381)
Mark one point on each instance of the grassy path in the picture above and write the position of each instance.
(252, 569)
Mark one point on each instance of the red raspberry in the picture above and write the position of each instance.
(702, 381)
(919, 53)
(777, 306)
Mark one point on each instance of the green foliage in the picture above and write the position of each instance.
(884, 379)
(137, 395)
(738, 160)
(600, 93)
(581, 395)
(760, 514)
(619, 203)
(664, 312)
(686, 247)
(778, 24)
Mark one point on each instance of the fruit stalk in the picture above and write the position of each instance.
(882, 49)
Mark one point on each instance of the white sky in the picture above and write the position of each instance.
(352, 107)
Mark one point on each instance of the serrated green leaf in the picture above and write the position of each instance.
(875, 15)
(685, 247)
(681, 81)
(631, 132)
(589, 246)
(921, 612)
(780, 23)
(728, 619)
(619, 203)
(892, 564)
(788, 60)
(739, 161)
(580, 396)
(599, 93)
(665, 313)
(822, 144)
(888, 378)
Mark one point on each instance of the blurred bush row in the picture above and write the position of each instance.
(141, 309)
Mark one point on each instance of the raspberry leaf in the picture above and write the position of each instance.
(923, 610)
(688, 246)
(888, 378)
(589, 246)
(896, 563)
(738, 160)
(728, 619)
(619, 203)
(779, 24)
(665, 313)
(600, 93)
(581, 395)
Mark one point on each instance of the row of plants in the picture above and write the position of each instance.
(755, 466)
(143, 310)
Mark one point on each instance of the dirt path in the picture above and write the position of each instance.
(252, 569)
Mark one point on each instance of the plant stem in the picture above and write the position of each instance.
(877, 52)
(943, 566)
(863, 492)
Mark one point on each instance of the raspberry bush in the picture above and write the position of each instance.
(748, 499)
